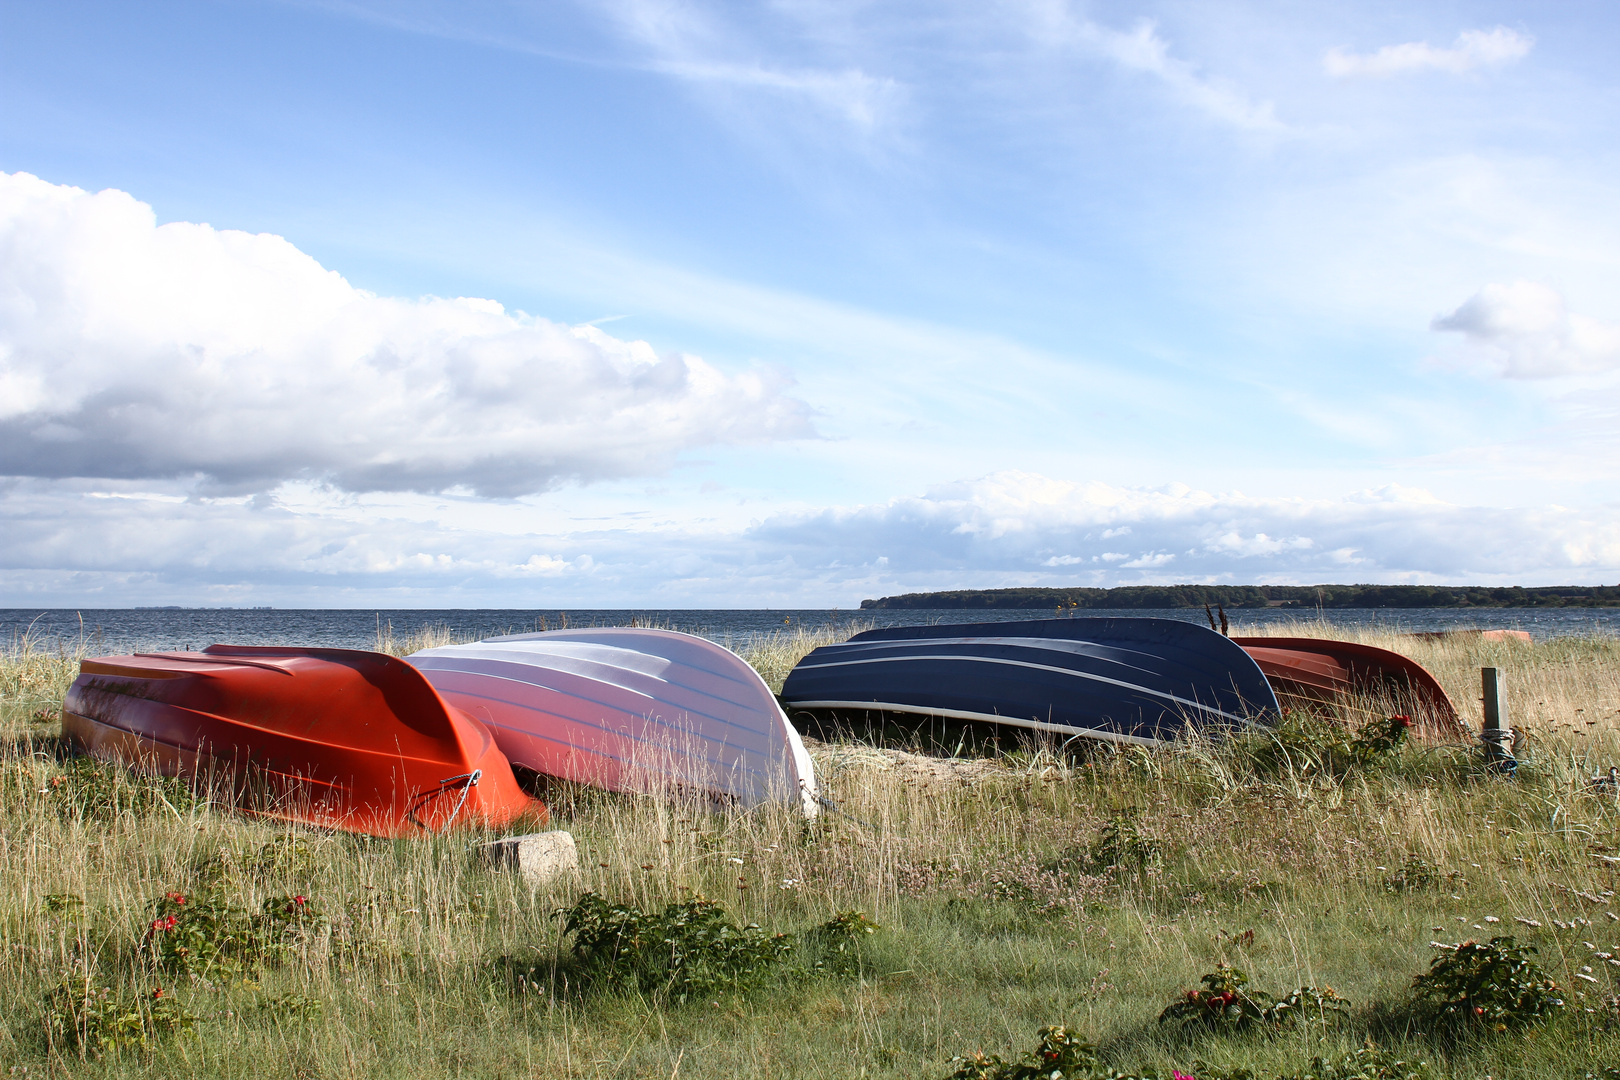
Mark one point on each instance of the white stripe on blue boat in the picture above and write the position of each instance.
(1039, 667)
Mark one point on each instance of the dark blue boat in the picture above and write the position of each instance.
(1121, 680)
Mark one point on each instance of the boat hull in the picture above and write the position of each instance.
(1118, 680)
(330, 737)
(1305, 670)
(630, 709)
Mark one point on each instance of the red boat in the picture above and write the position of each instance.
(1317, 669)
(331, 737)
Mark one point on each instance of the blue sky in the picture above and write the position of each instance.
(685, 304)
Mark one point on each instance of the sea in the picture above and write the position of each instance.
(108, 631)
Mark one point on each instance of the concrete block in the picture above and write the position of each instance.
(540, 858)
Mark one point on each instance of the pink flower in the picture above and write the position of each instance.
(1179, 1075)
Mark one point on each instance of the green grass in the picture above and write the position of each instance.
(997, 918)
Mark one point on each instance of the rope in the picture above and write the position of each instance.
(472, 782)
(471, 779)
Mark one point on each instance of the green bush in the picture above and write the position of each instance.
(1121, 844)
(1305, 742)
(1494, 986)
(1415, 873)
(291, 1007)
(1062, 1055)
(1368, 1063)
(834, 947)
(693, 949)
(1227, 1003)
(204, 932)
(95, 1019)
(690, 949)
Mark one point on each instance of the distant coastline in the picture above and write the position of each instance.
(1262, 596)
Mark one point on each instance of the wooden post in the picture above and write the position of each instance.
(1491, 684)
(1495, 734)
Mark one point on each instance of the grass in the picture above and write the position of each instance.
(1004, 901)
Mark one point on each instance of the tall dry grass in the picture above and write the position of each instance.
(773, 655)
(433, 636)
(36, 671)
(996, 918)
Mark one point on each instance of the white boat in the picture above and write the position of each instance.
(628, 709)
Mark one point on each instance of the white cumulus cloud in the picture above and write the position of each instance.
(1473, 49)
(1525, 331)
(132, 350)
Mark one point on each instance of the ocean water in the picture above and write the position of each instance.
(124, 630)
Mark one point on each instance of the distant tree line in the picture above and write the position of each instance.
(1252, 596)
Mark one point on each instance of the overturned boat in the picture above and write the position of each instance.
(630, 709)
(1308, 670)
(1118, 680)
(332, 737)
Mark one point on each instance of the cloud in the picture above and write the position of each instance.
(133, 350)
(66, 545)
(1020, 528)
(686, 45)
(1474, 49)
(1525, 331)
(1141, 49)
(858, 97)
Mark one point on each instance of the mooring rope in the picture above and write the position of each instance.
(471, 779)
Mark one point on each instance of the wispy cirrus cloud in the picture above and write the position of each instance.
(1473, 49)
(1142, 49)
(682, 41)
(686, 42)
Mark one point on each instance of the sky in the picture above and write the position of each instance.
(647, 304)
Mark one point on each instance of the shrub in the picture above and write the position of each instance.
(64, 904)
(1226, 1003)
(289, 1007)
(1062, 1055)
(834, 947)
(1305, 743)
(1368, 1063)
(198, 933)
(1121, 844)
(690, 949)
(95, 1019)
(204, 932)
(1495, 986)
(1414, 874)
